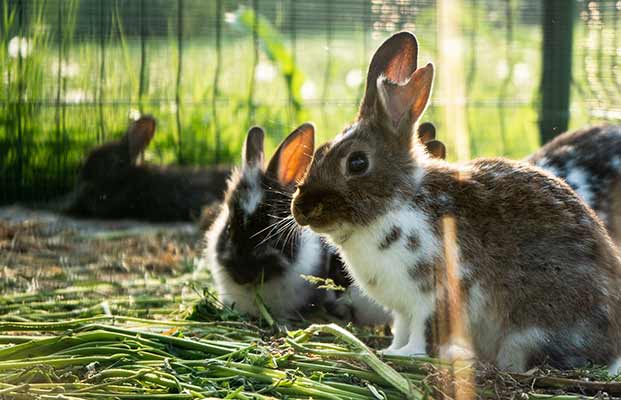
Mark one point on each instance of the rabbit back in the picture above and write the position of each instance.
(589, 160)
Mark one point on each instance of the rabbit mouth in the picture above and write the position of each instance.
(323, 229)
(337, 233)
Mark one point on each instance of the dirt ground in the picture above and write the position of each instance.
(40, 250)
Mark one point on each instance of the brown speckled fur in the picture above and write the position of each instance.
(595, 153)
(542, 255)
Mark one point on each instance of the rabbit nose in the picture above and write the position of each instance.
(298, 210)
(304, 211)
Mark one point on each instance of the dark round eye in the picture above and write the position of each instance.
(357, 163)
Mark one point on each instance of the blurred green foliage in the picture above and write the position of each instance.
(74, 84)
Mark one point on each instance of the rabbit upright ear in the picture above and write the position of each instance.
(426, 132)
(289, 163)
(396, 60)
(139, 135)
(436, 149)
(404, 103)
(252, 152)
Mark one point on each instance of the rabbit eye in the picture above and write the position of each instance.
(357, 163)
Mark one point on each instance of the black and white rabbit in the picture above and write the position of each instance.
(492, 257)
(112, 184)
(246, 251)
(589, 160)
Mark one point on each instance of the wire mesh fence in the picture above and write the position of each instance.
(74, 72)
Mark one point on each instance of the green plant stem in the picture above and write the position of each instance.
(363, 353)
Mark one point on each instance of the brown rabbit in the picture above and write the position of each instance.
(492, 256)
(112, 184)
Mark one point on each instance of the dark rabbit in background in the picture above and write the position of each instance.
(491, 257)
(113, 185)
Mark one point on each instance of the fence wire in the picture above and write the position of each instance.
(74, 72)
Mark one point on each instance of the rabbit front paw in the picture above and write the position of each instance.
(405, 351)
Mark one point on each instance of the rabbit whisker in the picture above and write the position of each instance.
(291, 235)
(272, 226)
(279, 226)
(287, 233)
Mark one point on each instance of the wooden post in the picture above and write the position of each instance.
(451, 76)
(216, 81)
(558, 23)
(180, 140)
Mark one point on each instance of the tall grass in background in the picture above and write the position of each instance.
(23, 74)
(65, 93)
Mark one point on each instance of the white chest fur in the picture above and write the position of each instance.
(384, 256)
(385, 259)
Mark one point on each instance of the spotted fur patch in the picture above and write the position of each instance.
(393, 236)
(423, 274)
(412, 242)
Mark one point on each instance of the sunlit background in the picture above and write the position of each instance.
(74, 71)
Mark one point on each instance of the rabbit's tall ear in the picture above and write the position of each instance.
(403, 103)
(436, 149)
(289, 163)
(396, 60)
(426, 132)
(139, 135)
(252, 152)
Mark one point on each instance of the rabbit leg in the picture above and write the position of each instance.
(401, 333)
(416, 344)
(416, 338)
(417, 341)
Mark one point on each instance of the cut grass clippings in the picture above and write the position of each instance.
(126, 357)
(86, 359)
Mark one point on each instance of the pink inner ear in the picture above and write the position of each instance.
(399, 98)
(289, 163)
(395, 59)
(409, 99)
(401, 67)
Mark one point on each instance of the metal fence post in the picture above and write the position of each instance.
(558, 22)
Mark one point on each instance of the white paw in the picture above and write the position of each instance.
(390, 351)
(405, 351)
(456, 352)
